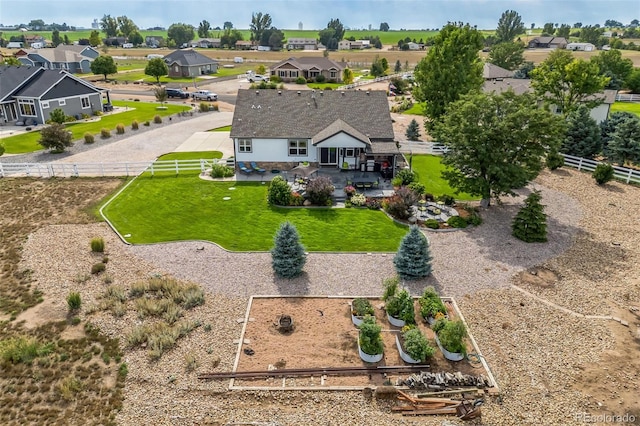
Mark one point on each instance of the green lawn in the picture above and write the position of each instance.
(631, 107)
(416, 109)
(222, 129)
(128, 64)
(157, 209)
(429, 168)
(141, 111)
(141, 76)
(191, 155)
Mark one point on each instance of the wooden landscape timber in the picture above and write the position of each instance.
(464, 409)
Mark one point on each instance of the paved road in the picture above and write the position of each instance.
(149, 145)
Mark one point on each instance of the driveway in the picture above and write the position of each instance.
(151, 144)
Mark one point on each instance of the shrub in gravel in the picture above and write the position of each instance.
(157, 119)
(146, 123)
(190, 361)
(74, 302)
(120, 129)
(457, 222)
(138, 289)
(204, 107)
(97, 245)
(98, 267)
(603, 173)
(89, 138)
(288, 256)
(135, 125)
(530, 224)
(432, 223)
(554, 160)
(413, 259)
(105, 133)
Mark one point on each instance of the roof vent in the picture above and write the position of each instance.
(342, 93)
(280, 92)
(368, 93)
(257, 92)
(298, 93)
(321, 93)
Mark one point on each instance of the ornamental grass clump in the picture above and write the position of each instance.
(89, 138)
(157, 119)
(120, 129)
(105, 133)
(97, 245)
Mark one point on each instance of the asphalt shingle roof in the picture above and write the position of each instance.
(309, 62)
(306, 113)
(188, 57)
(11, 77)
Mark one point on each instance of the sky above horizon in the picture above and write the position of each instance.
(315, 14)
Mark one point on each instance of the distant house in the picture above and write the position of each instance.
(15, 45)
(76, 58)
(583, 47)
(520, 86)
(154, 41)
(114, 41)
(494, 72)
(548, 43)
(243, 45)
(350, 45)
(33, 38)
(308, 67)
(189, 63)
(206, 43)
(302, 44)
(28, 95)
(414, 46)
(278, 129)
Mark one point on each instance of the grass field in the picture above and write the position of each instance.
(191, 155)
(139, 111)
(156, 209)
(633, 108)
(429, 168)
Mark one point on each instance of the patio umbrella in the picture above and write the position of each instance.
(305, 171)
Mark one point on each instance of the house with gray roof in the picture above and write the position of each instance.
(29, 94)
(330, 129)
(520, 85)
(189, 63)
(547, 43)
(494, 72)
(309, 67)
(73, 58)
(302, 44)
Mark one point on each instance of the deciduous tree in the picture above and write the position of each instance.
(55, 137)
(611, 64)
(94, 38)
(384, 26)
(157, 68)
(287, 255)
(56, 40)
(509, 26)
(203, 29)
(109, 26)
(126, 26)
(566, 82)
(413, 259)
(451, 68)
(508, 55)
(259, 23)
(180, 33)
(104, 65)
(497, 143)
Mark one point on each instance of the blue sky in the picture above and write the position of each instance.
(314, 14)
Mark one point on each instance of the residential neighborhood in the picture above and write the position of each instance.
(331, 214)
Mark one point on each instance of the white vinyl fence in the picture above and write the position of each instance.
(416, 147)
(620, 173)
(49, 170)
(627, 97)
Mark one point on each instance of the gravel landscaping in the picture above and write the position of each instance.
(538, 353)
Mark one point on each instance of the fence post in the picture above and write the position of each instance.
(1, 171)
(629, 175)
(126, 167)
(75, 170)
(202, 166)
(50, 170)
(177, 167)
(580, 164)
(102, 169)
(152, 169)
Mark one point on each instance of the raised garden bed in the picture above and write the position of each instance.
(324, 336)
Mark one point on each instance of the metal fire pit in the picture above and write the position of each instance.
(284, 323)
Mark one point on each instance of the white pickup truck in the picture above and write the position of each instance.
(204, 95)
(257, 77)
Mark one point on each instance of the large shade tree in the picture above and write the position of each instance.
(157, 68)
(180, 33)
(109, 25)
(497, 142)
(509, 26)
(611, 64)
(104, 65)
(509, 55)
(451, 68)
(259, 23)
(566, 82)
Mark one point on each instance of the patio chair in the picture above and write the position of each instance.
(256, 168)
(244, 168)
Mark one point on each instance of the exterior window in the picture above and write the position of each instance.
(244, 145)
(298, 148)
(45, 104)
(282, 73)
(333, 74)
(314, 73)
(350, 152)
(27, 107)
(85, 103)
(62, 102)
(293, 74)
(176, 68)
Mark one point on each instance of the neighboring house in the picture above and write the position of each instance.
(584, 47)
(494, 72)
(414, 46)
(308, 67)
(520, 86)
(302, 44)
(154, 41)
(28, 95)
(243, 45)
(75, 58)
(350, 45)
(206, 43)
(15, 45)
(548, 43)
(278, 129)
(114, 41)
(189, 63)
(33, 38)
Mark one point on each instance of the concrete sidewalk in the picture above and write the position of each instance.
(208, 141)
(150, 145)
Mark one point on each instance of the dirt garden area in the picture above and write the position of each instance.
(561, 335)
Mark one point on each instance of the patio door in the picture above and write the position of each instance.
(328, 156)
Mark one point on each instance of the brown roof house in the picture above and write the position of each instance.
(278, 129)
(547, 43)
(189, 63)
(309, 67)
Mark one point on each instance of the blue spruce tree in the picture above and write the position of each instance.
(413, 260)
(288, 256)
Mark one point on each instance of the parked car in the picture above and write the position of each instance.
(257, 77)
(203, 95)
(177, 93)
